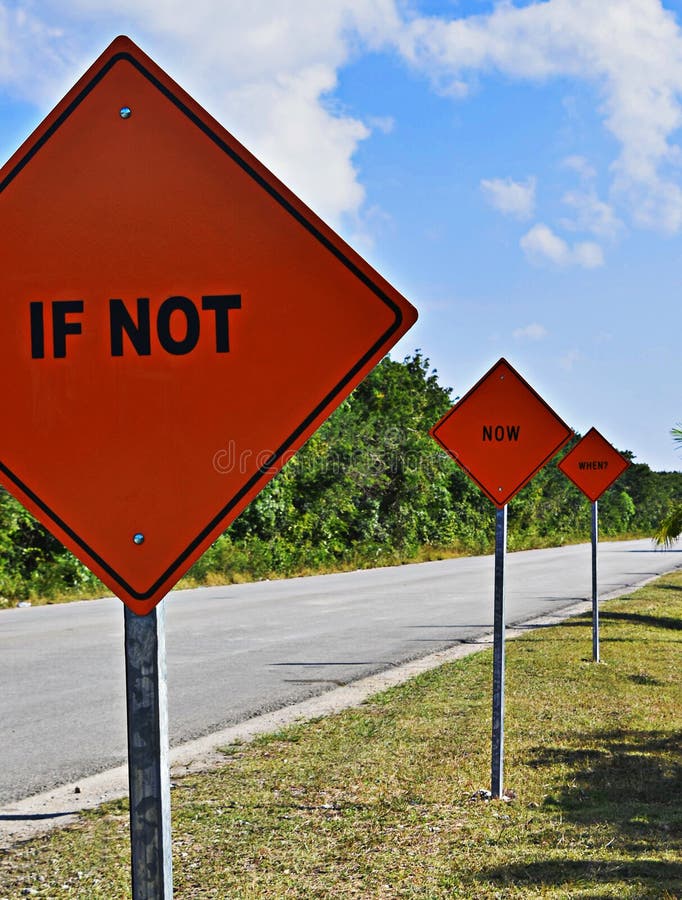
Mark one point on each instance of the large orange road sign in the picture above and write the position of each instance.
(593, 464)
(501, 433)
(174, 325)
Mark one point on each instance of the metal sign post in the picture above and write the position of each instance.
(148, 766)
(593, 465)
(501, 433)
(498, 655)
(595, 594)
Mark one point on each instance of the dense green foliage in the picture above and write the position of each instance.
(369, 488)
(33, 563)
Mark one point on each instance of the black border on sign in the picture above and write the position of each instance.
(277, 456)
(524, 481)
(561, 465)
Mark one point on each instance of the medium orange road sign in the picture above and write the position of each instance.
(174, 325)
(593, 464)
(501, 433)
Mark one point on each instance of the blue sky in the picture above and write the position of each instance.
(514, 168)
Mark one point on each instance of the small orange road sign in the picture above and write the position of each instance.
(593, 464)
(175, 324)
(501, 433)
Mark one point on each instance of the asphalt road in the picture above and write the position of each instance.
(234, 652)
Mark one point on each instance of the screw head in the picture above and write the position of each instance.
(125, 112)
(138, 538)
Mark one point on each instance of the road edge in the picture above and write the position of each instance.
(62, 806)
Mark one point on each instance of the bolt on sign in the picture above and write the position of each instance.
(175, 324)
(593, 464)
(501, 433)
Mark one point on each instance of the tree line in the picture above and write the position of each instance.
(369, 488)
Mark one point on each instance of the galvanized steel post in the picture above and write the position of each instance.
(595, 595)
(498, 655)
(148, 765)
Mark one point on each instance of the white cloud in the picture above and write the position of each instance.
(514, 198)
(587, 255)
(265, 70)
(580, 165)
(533, 332)
(365, 229)
(384, 124)
(33, 53)
(592, 214)
(268, 72)
(630, 50)
(542, 245)
(293, 133)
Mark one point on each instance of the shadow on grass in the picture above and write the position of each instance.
(580, 621)
(637, 618)
(652, 876)
(629, 780)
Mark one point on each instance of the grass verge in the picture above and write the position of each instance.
(378, 802)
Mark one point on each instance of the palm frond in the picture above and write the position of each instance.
(671, 527)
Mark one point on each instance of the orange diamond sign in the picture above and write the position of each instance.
(175, 324)
(593, 464)
(501, 433)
